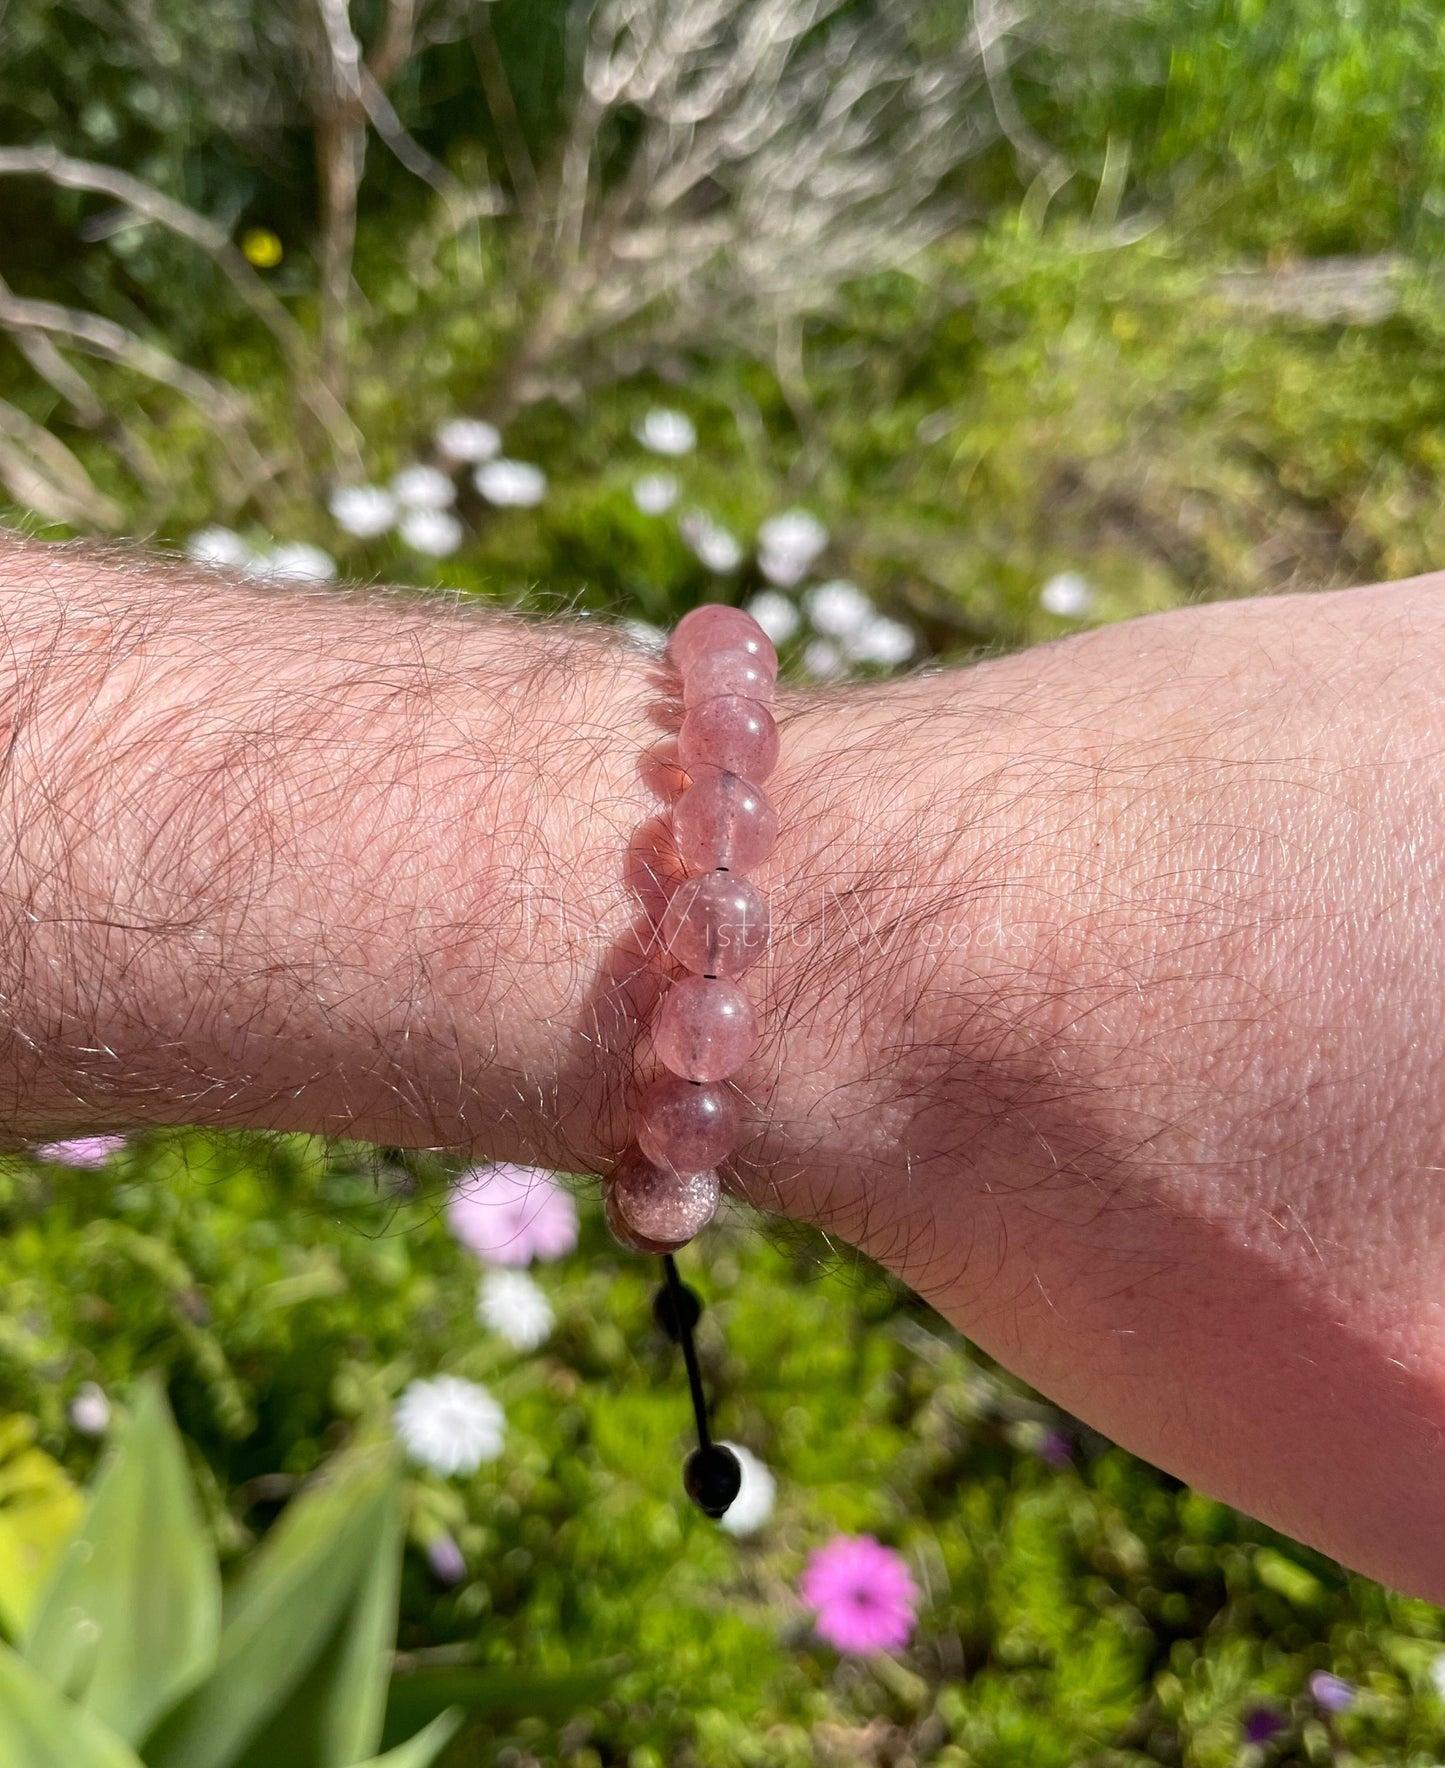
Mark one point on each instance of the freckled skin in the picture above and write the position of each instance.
(1105, 999)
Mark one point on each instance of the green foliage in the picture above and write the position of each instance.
(39, 1510)
(130, 1620)
(291, 1291)
(1282, 126)
(128, 1646)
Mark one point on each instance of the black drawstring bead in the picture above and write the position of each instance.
(674, 1317)
(713, 1475)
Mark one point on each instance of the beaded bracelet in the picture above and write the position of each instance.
(665, 1188)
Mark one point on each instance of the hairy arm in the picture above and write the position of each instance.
(1104, 1005)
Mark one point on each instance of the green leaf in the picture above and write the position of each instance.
(419, 1695)
(1287, 1578)
(300, 1676)
(130, 1620)
(40, 1509)
(39, 1728)
(423, 1749)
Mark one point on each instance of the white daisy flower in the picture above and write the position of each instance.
(646, 636)
(777, 616)
(221, 547)
(782, 570)
(511, 1303)
(655, 493)
(667, 432)
(449, 1425)
(511, 484)
(435, 532)
(839, 609)
(795, 534)
(714, 546)
(1069, 594)
(823, 660)
(90, 1410)
(880, 640)
(296, 562)
(420, 487)
(753, 1506)
(468, 439)
(362, 510)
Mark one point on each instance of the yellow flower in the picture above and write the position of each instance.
(262, 247)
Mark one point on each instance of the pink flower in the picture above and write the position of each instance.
(85, 1151)
(861, 1594)
(509, 1215)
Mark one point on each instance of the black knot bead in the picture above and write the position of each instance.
(665, 1311)
(713, 1477)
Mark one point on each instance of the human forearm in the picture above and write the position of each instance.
(1185, 1171)
(305, 861)
(1104, 999)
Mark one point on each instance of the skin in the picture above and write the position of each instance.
(1104, 1003)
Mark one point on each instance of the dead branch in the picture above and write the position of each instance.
(154, 205)
(782, 149)
(20, 314)
(43, 474)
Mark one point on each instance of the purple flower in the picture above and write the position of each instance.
(1261, 1724)
(509, 1215)
(445, 1559)
(1332, 1694)
(83, 1151)
(1054, 1449)
(861, 1594)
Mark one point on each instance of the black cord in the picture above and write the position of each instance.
(683, 1315)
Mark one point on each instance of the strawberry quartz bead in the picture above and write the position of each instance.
(730, 733)
(705, 1030)
(653, 1210)
(724, 823)
(716, 627)
(715, 925)
(716, 673)
(683, 1127)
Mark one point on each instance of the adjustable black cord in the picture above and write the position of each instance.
(713, 1475)
(684, 1315)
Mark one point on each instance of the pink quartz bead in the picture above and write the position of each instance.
(622, 1231)
(686, 1128)
(653, 1210)
(724, 823)
(715, 925)
(730, 733)
(716, 627)
(716, 673)
(705, 1030)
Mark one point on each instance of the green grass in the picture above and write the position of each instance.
(1094, 1611)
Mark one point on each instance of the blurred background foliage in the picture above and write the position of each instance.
(1141, 295)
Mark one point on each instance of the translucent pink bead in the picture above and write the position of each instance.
(705, 1029)
(726, 672)
(686, 1128)
(715, 925)
(652, 1210)
(622, 1231)
(724, 823)
(716, 627)
(736, 735)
